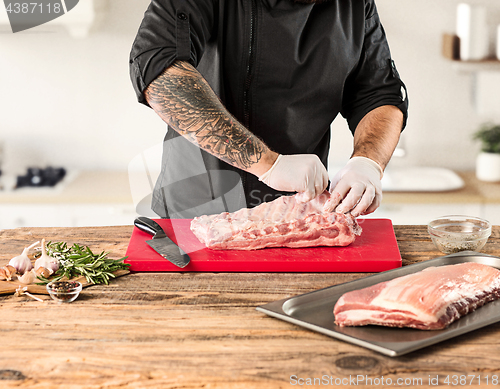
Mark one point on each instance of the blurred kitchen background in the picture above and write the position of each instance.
(67, 103)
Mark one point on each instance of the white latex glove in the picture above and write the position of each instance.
(356, 188)
(303, 173)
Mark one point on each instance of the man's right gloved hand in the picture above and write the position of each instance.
(357, 188)
(303, 173)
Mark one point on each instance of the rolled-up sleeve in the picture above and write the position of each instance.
(375, 81)
(170, 30)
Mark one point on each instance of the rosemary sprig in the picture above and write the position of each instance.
(79, 260)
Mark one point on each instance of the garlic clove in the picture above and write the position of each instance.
(7, 272)
(27, 278)
(3, 274)
(41, 271)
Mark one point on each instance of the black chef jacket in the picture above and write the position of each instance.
(283, 69)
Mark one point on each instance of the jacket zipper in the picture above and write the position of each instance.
(250, 64)
(249, 75)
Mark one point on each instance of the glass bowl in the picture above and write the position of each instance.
(64, 291)
(455, 233)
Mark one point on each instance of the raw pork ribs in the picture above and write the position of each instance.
(428, 300)
(281, 223)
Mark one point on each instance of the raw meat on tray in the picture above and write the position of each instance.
(283, 222)
(428, 300)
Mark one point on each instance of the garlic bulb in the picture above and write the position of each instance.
(46, 261)
(28, 277)
(22, 262)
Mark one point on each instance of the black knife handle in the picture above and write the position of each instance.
(150, 226)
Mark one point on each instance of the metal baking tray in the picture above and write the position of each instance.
(314, 311)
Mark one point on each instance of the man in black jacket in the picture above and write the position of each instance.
(249, 88)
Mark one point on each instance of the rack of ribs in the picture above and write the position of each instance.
(428, 300)
(284, 222)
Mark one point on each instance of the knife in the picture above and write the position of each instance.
(161, 243)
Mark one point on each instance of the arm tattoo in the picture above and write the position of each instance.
(185, 101)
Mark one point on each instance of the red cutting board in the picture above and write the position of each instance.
(374, 251)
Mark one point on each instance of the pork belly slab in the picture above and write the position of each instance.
(428, 300)
(283, 222)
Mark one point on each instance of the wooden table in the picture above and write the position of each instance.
(201, 330)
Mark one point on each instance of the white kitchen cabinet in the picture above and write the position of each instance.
(97, 214)
(103, 199)
(32, 215)
(401, 213)
(65, 215)
(85, 215)
(84, 199)
(491, 212)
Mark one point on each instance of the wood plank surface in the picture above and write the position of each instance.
(201, 330)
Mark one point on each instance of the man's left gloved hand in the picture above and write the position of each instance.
(356, 188)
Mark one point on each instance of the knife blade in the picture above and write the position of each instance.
(161, 243)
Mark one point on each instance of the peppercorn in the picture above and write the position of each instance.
(64, 286)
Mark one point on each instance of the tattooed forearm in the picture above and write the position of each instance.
(185, 101)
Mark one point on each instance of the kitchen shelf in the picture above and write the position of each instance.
(490, 65)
